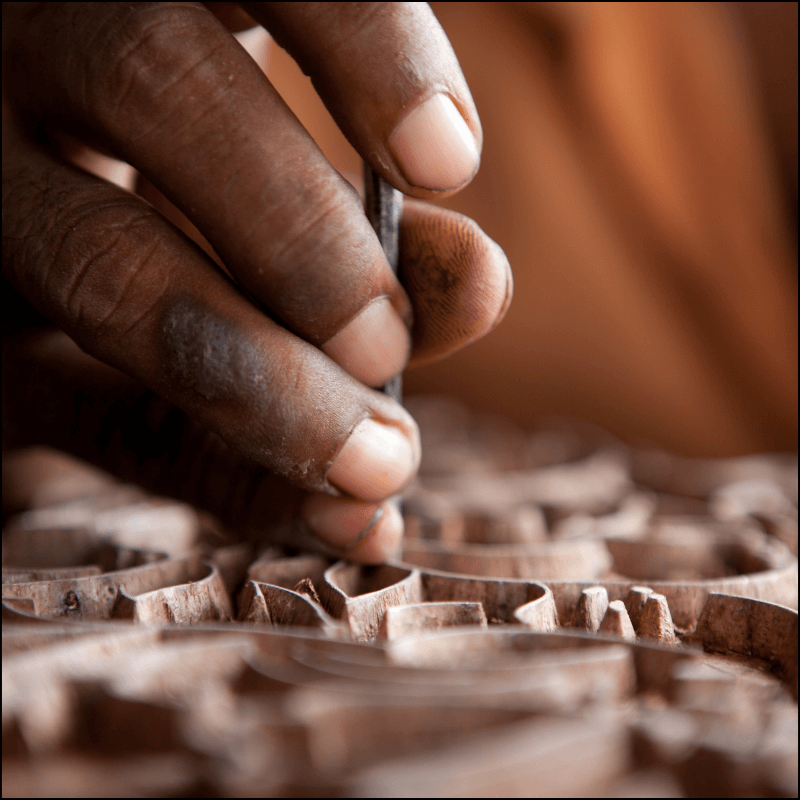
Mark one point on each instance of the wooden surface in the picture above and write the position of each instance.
(569, 617)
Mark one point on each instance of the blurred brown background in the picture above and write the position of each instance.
(640, 171)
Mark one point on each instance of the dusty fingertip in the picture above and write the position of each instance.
(434, 146)
(492, 283)
(382, 541)
(508, 279)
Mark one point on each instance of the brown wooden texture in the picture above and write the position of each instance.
(568, 616)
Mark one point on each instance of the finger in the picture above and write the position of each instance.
(369, 534)
(74, 402)
(137, 294)
(459, 280)
(171, 92)
(389, 77)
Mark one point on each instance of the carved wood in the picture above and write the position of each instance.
(568, 616)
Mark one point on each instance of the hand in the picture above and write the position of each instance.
(274, 361)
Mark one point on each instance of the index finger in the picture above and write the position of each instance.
(389, 76)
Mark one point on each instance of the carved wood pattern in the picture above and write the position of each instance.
(568, 617)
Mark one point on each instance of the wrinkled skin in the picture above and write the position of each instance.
(226, 380)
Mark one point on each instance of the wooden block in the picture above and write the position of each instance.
(617, 622)
(419, 617)
(591, 608)
(655, 621)
(634, 603)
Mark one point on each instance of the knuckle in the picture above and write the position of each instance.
(306, 231)
(22, 212)
(353, 21)
(86, 254)
(324, 260)
(94, 262)
(153, 58)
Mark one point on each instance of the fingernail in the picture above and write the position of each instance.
(434, 147)
(339, 521)
(374, 346)
(375, 462)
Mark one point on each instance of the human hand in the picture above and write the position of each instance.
(276, 362)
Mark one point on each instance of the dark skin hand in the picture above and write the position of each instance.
(260, 373)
